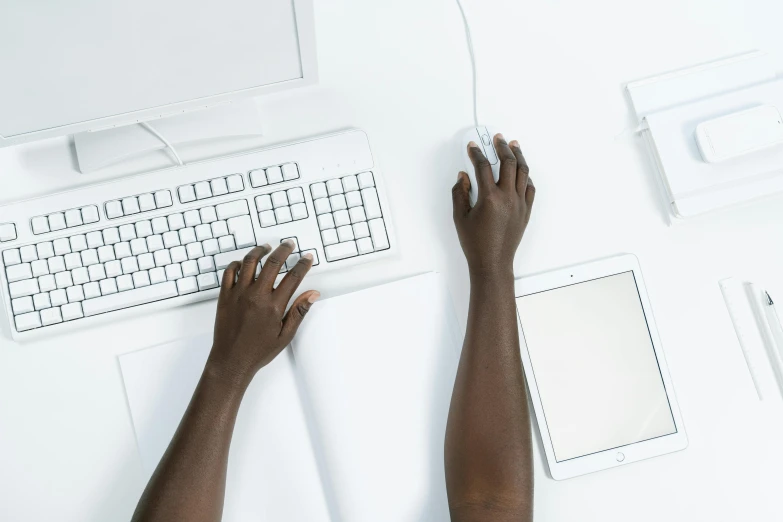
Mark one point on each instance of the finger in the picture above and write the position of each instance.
(247, 273)
(296, 314)
(460, 195)
(285, 290)
(230, 276)
(484, 177)
(273, 264)
(523, 171)
(508, 164)
(530, 197)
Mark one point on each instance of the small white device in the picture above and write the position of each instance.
(740, 133)
(121, 63)
(484, 138)
(163, 239)
(595, 368)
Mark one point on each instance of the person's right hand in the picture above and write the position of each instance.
(491, 231)
(252, 326)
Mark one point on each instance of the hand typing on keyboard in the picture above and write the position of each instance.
(252, 326)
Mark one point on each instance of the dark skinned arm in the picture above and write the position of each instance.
(251, 329)
(489, 470)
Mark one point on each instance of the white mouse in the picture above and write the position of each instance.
(484, 137)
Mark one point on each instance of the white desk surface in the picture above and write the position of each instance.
(551, 75)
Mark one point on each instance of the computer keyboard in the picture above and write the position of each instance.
(164, 238)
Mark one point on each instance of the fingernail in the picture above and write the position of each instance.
(500, 136)
(514, 143)
(266, 245)
(308, 256)
(313, 297)
(473, 144)
(288, 242)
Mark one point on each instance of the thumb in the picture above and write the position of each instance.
(460, 195)
(296, 314)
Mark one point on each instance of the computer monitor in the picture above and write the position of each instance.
(86, 65)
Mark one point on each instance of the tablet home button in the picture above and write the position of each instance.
(620, 457)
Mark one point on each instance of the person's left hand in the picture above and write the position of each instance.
(252, 326)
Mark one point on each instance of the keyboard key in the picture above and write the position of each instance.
(179, 254)
(130, 265)
(207, 281)
(94, 239)
(334, 187)
(350, 183)
(206, 264)
(41, 301)
(274, 175)
(105, 254)
(257, 178)
(190, 268)
(97, 272)
(122, 250)
(146, 261)
(325, 221)
(187, 236)
(222, 260)
(58, 297)
(40, 225)
(113, 209)
(192, 218)
(89, 257)
(171, 239)
(173, 272)
(267, 218)
(357, 214)
(18, 272)
(242, 229)
(13, 257)
(138, 246)
(329, 237)
(147, 202)
(113, 268)
(218, 186)
(143, 229)
(322, 206)
(90, 214)
(295, 195)
(159, 225)
(345, 233)
(318, 190)
(127, 232)
(22, 305)
(41, 267)
(176, 222)
(292, 260)
(203, 190)
(139, 296)
(279, 199)
(80, 276)
(186, 194)
(194, 251)
(361, 230)
(73, 218)
(141, 278)
(75, 294)
(51, 316)
(130, 206)
(299, 211)
(46, 283)
(210, 247)
(283, 215)
(56, 264)
(366, 180)
(378, 233)
(62, 246)
(108, 286)
(78, 243)
(226, 244)
(26, 322)
(163, 199)
(372, 207)
(63, 280)
(154, 243)
(157, 275)
(353, 199)
(219, 229)
(340, 251)
(341, 218)
(208, 214)
(111, 236)
(187, 285)
(72, 311)
(91, 290)
(162, 258)
(204, 232)
(290, 171)
(235, 183)
(45, 251)
(57, 221)
(232, 209)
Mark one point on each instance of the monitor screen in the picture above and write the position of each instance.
(594, 366)
(65, 63)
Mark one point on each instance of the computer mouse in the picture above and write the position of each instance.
(484, 137)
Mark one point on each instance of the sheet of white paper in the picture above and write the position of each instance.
(272, 472)
(378, 368)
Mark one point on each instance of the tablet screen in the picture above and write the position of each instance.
(594, 365)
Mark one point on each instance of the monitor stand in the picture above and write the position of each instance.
(102, 148)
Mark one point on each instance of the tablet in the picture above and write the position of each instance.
(595, 368)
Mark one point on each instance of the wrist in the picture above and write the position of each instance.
(225, 377)
(491, 276)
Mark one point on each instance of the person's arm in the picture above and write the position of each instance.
(489, 475)
(251, 329)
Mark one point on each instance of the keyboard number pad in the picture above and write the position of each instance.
(349, 216)
(284, 206)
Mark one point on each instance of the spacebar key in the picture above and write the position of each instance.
(139, 296)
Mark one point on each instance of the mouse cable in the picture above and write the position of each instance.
(469, 38)
(164, 140)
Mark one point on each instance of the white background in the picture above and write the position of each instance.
(551, 75)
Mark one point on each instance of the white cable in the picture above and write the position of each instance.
(164, 140)
(472, 62)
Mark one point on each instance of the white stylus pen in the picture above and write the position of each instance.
(773, 319)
